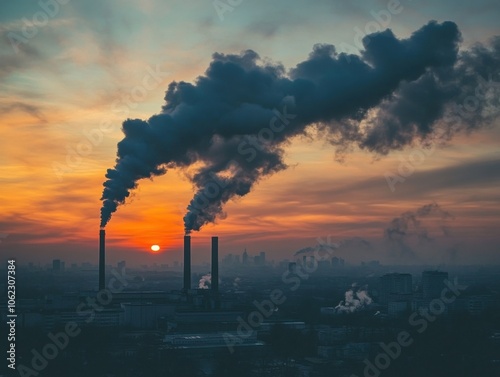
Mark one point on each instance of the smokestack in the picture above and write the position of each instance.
(187, 263)
(102, 259)
(215, 264)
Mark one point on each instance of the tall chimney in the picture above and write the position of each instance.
(102, 259)
(215, 264)
(187, 263)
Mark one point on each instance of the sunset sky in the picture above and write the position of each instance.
(68, 83)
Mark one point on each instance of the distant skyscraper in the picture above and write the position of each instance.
(394, 285)
(262, 258)
(433, 282)
(244, 257)
(56, 265)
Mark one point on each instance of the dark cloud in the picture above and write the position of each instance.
(231, 125)
(30, 109)
(15, 54)
(440, 102)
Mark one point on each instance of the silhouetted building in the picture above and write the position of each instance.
(433, 283)
(102, 259)
(56, 265)
(393, 286)
(215, 264)
(144, 315)
(187, 263)
(398, 307)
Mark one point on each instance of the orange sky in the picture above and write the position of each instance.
(69, 79)
(316, 197)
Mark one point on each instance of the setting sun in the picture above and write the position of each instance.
(155, 248)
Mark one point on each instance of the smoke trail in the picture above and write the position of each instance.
(354, 301)
(329, 247)
(236, 283)
(234, 121)
(409, 224)
(205, 281)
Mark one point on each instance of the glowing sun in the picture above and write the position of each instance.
(155, 248)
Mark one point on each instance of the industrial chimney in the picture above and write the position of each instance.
(187, 263)
(102, 259)
(215, 264)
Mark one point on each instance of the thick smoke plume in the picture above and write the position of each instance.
(354, 301)
(205, 281)
(234, 121)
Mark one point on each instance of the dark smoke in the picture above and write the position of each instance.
(234, 121)
(305, 250)
(331, 247)
(409, 225)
